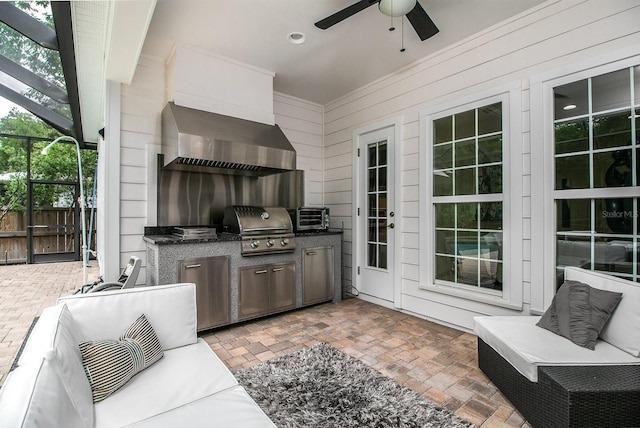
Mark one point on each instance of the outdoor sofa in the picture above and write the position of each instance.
(185, 385)
(552, 381)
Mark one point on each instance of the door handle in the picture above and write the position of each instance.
(391, 226)
(192, 266)
(258, 272)
(278, 269)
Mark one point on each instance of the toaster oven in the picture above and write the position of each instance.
(310, 218)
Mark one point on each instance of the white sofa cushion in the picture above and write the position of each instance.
(57, 331)
(230, 408)
(526, 346)
(34, 396)
(183, 375)
(623, 328)
(171, 310)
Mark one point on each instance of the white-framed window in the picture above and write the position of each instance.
(585, 193)
(471, 184)
(596, 148)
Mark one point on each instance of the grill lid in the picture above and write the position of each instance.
(252, 220)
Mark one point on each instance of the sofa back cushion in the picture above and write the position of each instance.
(56, 336)
(33, 395)
(171, 310)
(623, 328)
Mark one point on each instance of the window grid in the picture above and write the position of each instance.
(616, 251)
(473, 260)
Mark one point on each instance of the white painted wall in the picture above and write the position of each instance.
(142, 104)
(550, 36)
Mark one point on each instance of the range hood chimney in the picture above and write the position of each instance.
(196, 140)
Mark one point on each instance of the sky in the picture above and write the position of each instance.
(5, 106)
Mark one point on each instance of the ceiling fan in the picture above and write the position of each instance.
(414, 12)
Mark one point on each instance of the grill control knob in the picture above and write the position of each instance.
(254, 244)
(284, 242)
(269, 242)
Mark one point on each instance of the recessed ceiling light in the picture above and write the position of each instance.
(296, 38)
(569, 107)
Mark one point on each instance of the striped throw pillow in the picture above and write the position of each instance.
(110, 364)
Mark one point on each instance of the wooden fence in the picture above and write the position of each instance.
(46, 240)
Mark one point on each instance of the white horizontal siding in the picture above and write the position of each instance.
(549, 36)
(302, 123)
(141, 105)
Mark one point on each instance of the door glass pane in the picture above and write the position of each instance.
(382, 179)
(382, 154)
(372, 255)
(382, 205)
(377, 205)
(372, 180)
(373, 156)
(382, 257)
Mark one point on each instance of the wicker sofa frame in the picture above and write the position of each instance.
(568, 396)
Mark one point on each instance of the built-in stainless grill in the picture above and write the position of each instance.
(264, 230)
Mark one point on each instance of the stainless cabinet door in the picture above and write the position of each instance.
(283, 286)
(253, 289)
(211, 276)
(317, 275)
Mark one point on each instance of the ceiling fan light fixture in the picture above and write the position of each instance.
(396, 7)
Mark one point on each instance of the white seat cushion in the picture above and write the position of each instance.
(171, 310)
(33, 396)
(183, 375)
(230, 408)
(526, 346)
(57, 332)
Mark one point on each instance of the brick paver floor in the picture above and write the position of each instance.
(438, 362)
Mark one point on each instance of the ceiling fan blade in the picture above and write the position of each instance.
(344, 14)
(421, 22)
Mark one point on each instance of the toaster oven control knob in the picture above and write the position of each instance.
(255, 243)
(284, 242)
(269, 242)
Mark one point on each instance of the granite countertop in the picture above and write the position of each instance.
(163, 235)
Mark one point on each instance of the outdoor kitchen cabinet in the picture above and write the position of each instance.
(266, 289)
(317, 275)
(211, 276)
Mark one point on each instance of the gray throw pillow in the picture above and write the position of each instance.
(110, 364)
(579, 312)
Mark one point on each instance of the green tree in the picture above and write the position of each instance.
(60, 163)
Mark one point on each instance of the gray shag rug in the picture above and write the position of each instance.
(321, 386)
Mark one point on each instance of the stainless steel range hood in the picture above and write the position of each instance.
(195, 140)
